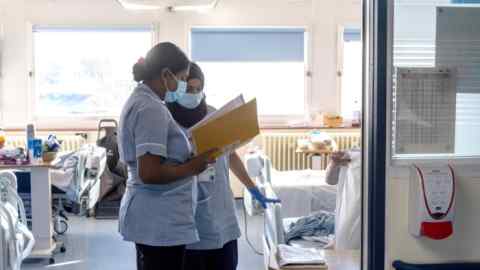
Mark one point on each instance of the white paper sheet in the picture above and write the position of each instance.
(288, 255)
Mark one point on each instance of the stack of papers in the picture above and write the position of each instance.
(231, 126)
(290, 257)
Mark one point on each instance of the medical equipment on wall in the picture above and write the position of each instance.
(432, 201)
(16, 240)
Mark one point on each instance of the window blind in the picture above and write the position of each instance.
(352, 34)
(248, 44)
(466, 1)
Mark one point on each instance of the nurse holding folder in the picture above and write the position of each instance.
(158, 209)
(215, 217)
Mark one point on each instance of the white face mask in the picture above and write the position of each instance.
(173, 96)
(190, 101)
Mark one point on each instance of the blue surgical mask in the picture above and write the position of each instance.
(172, 96)
(190, 101)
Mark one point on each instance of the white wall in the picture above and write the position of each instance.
(322, 16)
(415, 21)
(464, 245)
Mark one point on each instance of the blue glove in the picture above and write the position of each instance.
(261, 198)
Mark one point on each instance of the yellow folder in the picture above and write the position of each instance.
(232, 129)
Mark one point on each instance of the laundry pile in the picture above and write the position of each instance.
(318, 227)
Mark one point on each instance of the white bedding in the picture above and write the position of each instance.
(303, 192)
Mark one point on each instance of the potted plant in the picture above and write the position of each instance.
(50, 149)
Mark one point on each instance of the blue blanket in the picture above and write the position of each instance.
(319, 224)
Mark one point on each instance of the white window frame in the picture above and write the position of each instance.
(340, 57)
(80, 122)
(2, 110)
(397, 163)
(267, 121)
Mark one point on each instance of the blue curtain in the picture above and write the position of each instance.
(248, 44)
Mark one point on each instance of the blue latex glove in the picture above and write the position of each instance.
(261, 198)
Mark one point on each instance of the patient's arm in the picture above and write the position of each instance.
(337, 160)
(333, 173)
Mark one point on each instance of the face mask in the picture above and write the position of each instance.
(172, 96)
(190, 101)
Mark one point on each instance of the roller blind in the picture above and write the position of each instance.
(466, 1)
(248, 44)
(352, 34)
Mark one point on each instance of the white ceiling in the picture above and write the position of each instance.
(164, 3)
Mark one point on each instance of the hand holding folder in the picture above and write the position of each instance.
(234, 125)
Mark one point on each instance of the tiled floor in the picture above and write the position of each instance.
(95, 244)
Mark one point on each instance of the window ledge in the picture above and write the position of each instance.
(452, 159)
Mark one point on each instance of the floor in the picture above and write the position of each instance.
(95, 244)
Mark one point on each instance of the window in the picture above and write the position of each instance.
(350, 72)
(266, 63)
(433, 35)
(86, 71)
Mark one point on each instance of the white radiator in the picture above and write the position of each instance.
(69, 142)
(281, 149)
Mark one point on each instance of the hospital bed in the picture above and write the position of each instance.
(16, 240)
(275, 227)
(75, 184)
(78, 175)
(302, 192)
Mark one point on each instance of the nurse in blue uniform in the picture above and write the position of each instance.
(215, 217)
(158, 209)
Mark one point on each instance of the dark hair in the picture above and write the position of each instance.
(161, 56)
(196, 73)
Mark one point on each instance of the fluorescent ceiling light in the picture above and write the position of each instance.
(139, 5)
(200, 8)
(169, 5)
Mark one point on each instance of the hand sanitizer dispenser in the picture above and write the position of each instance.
(432, 201)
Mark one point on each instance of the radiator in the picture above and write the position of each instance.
(69, 142)
(281, 149)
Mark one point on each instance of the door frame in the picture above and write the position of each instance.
(374, 131)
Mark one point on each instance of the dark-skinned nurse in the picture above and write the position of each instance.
(215, 217)
(158, 208)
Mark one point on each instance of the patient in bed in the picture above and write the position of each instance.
(344, 171)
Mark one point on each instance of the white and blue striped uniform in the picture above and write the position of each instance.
(215, 217)
(155, 215)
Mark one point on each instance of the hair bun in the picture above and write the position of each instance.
(140, 70)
